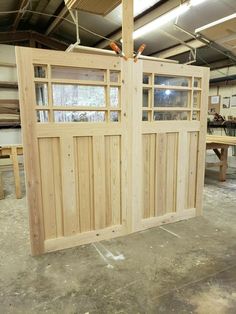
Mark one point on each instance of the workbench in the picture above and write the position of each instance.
(220, 145)
(12, 151)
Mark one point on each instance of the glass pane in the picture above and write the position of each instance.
(196, 115)
(114, 76)
(114, 116)
(76, 95)
(79, 116)
(145, 116)
(170, 115)
(171, 98)
(145, 97)
(146, 79)
(197, 82)
(40, 71)
(171, 80)
(196, 99)
(114, 96)
(41, 94)
(82, 74)
(42, 116)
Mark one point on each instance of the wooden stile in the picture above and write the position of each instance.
(103, 155)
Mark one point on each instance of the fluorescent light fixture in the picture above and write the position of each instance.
(160, 21)
(195, 2)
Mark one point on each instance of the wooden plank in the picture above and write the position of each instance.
(128, 27)
(149, 154)
(221, 139)
(171, 172)
(113, 180)
(168, 218)
(99, 182)
(57, 183)
(202, 142)
(47, 183)
(84, 171)
(68, 185)
(192, 170)
(31, 158)
(181, 171)
(160, 189)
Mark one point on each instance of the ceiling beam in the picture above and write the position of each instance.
(179, 49)
(57, 21)
(143, 20)
(221, 64)
(19, 36)
(23, 4)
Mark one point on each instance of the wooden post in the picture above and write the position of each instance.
(223, 166)
(16, 171)
(1, 187)
(128, 27)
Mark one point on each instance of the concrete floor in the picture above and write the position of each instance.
(192, 270)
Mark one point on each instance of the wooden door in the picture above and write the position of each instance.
(110, 146)
(174, 111)
(74, 138)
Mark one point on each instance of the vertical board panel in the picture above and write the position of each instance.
(50, 170)
(192, 169)
(68, 185)
(113, 180)
(181, 170)
(84, 174)
(149, 166)
(160, 187)
(99, 182)
(171, 172)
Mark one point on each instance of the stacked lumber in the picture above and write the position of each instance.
(221, 139)
(9, 112)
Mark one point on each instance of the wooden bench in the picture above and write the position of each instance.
(12, 151)
(220, 145)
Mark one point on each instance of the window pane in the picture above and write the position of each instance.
(40, 71)
(41, 94)
(196, 115)
(197, 82)
(171, 115)
(145, 116)
(171, 80)
(114, 96)
(79, 116)
(76, 95)
(114, 76)
(42, 116)
(145, 97)
(82, 74)
(114, 116)
(170, 98)
(146, 78)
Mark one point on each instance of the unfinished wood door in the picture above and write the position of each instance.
(174, 111)
(74, 138)
(110, 146)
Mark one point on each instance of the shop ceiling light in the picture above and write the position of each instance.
(160, 21)
(196, 2)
